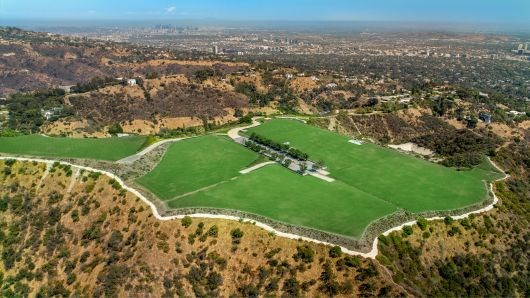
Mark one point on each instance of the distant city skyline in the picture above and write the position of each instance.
(447, 11)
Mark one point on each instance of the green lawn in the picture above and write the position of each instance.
(279, 194)
(408, 182)
(371, 181)
(196, 163)
(103, 149)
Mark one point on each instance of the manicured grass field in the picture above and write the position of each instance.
(405, 181)
(196, 163)
(279, 194)
(102, 149)
(371, 181)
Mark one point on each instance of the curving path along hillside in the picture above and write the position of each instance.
(131, 159)
(234, 133)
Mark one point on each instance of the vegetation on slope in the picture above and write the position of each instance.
(100, 240)
(483, 255)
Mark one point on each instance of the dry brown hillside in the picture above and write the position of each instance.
(174, 99)
(99, 240)
(32, 60)
(485, 255)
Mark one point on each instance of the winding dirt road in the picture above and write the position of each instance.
(371, 254)
(132, 158)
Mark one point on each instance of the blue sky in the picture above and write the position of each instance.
(462, 11)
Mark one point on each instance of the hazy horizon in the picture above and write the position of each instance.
(294, 25)
(472, 12)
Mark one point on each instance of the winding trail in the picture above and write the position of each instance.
(45, 174)
(234, 132)
(73, 180)
(132, 158)
(371, 254)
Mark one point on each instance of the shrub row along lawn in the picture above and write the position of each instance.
(111, 149)
(371, 181)
(405, 181)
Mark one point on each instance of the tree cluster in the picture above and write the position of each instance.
(285, 148)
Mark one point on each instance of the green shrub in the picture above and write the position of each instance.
(448, 220)
(407, 231)
(186, 221)
(422, 223)
(335, 252)
(352, 261)
(115, 129)
(213, 231)
(304, 253)
(453, 231)
(236, 234)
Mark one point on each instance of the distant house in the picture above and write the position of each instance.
(51, 113)
(67, 89)
(47, 114)
(515, 113)
(482, 94)
(405, 100)
(131, 82)
(485, 117)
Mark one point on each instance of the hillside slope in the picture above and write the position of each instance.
(92, 238)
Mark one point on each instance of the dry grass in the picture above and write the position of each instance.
(73, 129)
(301, 84)
(149, 263)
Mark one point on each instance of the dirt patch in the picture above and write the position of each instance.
(412, 115)
(525, 124)
(304, 108)
(500, 129)
(455, 123)
(254, 79)
(345, 94)
(302, 84)
(123, 91)
(173, 100)
(149, 127)
(411, 147)
(146, 127)
(73, 129)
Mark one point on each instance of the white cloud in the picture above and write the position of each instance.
(171, 9)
